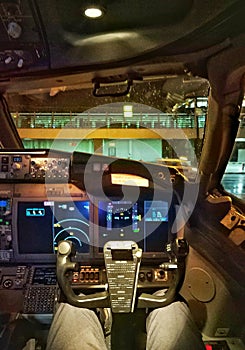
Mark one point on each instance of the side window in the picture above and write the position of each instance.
(234, 177)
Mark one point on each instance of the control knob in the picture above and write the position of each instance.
(16, 166)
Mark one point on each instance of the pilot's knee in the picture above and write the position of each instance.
(171, 320)
(172, 327)
(175, 312)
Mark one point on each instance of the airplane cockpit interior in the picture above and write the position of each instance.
(122, 168)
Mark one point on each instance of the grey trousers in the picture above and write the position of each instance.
(168, 328)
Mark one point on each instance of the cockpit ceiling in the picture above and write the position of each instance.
(122, 15)
(38, 39)
(132, 29)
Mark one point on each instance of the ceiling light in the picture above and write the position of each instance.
(93, 12)
(93, 9)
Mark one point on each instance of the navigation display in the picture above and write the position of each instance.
(42, 224)
(145, 222)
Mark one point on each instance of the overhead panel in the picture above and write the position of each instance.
(22, 39)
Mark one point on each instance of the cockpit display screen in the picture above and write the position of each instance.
(145, 222)
(41, 225)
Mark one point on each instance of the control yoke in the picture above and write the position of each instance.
(122, 261)
(64, 265)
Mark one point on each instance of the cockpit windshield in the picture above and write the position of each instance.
(157, 120)
(161, 122)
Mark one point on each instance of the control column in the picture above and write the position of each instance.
(122, 260)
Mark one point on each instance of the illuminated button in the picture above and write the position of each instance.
(8, 60)
(5, 160)
(149, 276)
(20, 63)
(16, 166)
(5, 168)
(142, 276)
(7, 283)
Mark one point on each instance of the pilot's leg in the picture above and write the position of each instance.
(172, 328)
(75, 329)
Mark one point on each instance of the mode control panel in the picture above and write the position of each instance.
(34, 168)
(14, 166)
(50, 168)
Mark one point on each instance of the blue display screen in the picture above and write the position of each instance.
(41, 225)
(3, 203)
(35, 212)
(17, 159)
(145, 222)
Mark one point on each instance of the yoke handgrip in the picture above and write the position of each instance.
(154, 301)
(64, 264)
(177, 251)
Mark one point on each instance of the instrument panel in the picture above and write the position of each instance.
(43, 201)
(32, 227)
